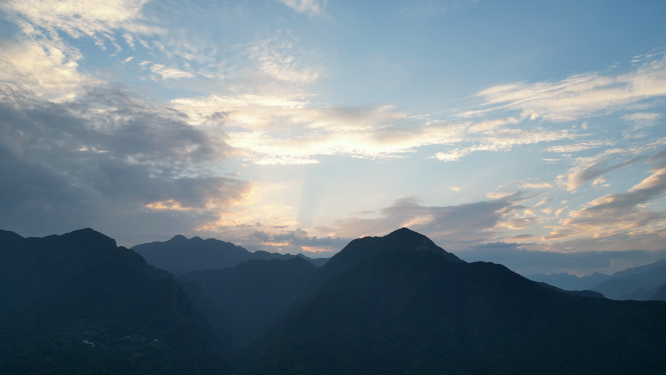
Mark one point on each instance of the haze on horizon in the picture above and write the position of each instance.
(529, 134)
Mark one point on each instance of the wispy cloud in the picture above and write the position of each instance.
(615, 213)
(311, 7)
(97, 19)
(535, 185)
(581, 95)
(642, 119)
(169, 73)
(566, 149)
(591, 168)
(275, 59)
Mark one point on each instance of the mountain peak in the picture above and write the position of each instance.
(360, 249)
(406, 236)
(178, 237)
(409, 240)
(89, 237)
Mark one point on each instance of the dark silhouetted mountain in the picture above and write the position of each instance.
(180, 255)
(660, 294)
(391, 308)
(623, 287)
(250, 295)
(580, 293)
(361, 249)
(78, 304)
(570, 282)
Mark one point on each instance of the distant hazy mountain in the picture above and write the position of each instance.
(78, 304)
(641, 294)
(180, 255)
(252, 294)
(623, 287)
(637, 283)
(389, 307)
(570, 282)
(660, 294)
(641, 269)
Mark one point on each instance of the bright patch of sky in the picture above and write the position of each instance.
(296, 125)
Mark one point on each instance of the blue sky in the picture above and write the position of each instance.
(297, 125)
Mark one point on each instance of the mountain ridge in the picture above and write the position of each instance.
(180, 255)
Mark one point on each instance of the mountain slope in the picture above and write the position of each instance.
(580, 293)
(402, 311)
(180, 255)
(660, 294)
(250, 295)
(77, 303)
(640, 269)
(571, 282)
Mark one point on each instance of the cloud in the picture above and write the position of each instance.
(559, 211)
(534, 185)
(305, 6)
(581, 95)
(641, 120)
(298, 241)
(529, 262)
(283, 130)
(111, 161)
(275, 59)
(41, 68)
(449, 226)
(502, 140)
(544, 201)
(87, 17)
(590, 169)
(170, 73)
(492, 124)
(566, 149)
(93, 18)
(615, 213)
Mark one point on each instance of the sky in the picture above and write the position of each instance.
(526, 133)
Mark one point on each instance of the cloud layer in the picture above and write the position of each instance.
(108, 160)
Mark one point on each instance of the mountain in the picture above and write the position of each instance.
(581, 293)
(640, 269)
(180, 255)
(250, 295)
(660, 294)
(641, 294)
(77, 303)
(391, 305)
(361, 249)
(623, 287)
(637, 283)
(570, 282)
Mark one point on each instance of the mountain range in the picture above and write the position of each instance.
(396, 304)
(180, 255)
(637, 283)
